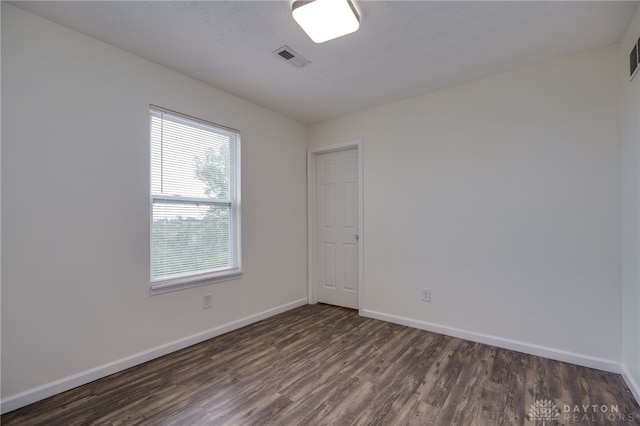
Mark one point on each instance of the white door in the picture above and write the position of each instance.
(337, 228)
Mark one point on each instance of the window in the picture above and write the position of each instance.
(195, 201)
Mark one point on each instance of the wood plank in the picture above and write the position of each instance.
(321, 364)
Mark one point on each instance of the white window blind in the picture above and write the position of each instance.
(195, 224)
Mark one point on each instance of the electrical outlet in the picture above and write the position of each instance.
(426, 295)
(206, 301)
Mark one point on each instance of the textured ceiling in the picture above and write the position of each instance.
(403, 49)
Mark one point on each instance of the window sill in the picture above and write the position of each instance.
(168, 286)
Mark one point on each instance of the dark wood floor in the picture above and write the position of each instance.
(324, 365)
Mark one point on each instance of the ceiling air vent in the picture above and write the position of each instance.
(291, 56)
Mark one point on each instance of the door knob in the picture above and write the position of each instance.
(357, 237)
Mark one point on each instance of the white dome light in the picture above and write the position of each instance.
(324, 20)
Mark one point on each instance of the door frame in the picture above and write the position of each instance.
(312, 238)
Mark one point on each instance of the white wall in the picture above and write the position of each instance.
(503, 197)
(0, 195)
(75, 208)
(630, 133)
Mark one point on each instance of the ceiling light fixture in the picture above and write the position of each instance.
(325, 20)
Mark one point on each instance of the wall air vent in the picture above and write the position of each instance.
(291, 56)
(634, 60)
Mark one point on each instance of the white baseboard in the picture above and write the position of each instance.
(29, 396)
(528, 348)
(634, 386)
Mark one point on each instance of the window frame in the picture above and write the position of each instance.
(190, 280)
